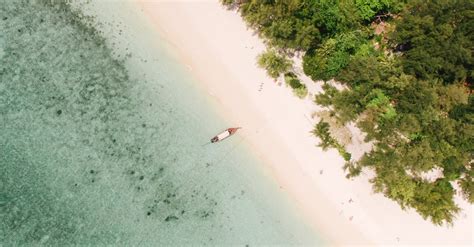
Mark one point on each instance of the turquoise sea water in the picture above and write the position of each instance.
(102, 134)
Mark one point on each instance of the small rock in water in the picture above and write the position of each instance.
(170, 218)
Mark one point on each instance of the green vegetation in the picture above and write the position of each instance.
(321, 130)
(437, 40)
(409, 87)
(367, 9)
(299, 89)
(274, 63)
(335, 53)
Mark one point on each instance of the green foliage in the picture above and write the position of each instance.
(352, 168)
(299, 89)
(436, 39)
(368, 8)
(274, 63)
(412, 95)
(435, 201)
(299, 24)
(321, 130)
(282, 23)
(227, 2)
(326, 98)
(467, 185)
(330, 15)
(334, 54)
(346, 104)
(292, 80)
(301, 92)
(381, 104)
(414, 106)
(369, 71)
(342, 151)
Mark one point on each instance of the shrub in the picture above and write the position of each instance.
(326, 98)
(321, 130)
(352, 169)
(299, 89)
(301, 92)
(346, 155)
(274, 63)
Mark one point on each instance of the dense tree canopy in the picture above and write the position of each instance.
(409, 88)
(436, 38)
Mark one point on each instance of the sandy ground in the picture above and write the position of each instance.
(216, 46)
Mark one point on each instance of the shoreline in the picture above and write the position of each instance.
(220, 52)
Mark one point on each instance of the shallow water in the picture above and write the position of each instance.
(101, 140)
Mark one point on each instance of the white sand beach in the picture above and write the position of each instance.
(221, 52)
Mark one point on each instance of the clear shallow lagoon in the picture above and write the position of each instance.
(101, 140)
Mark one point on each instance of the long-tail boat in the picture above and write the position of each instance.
(224, 134)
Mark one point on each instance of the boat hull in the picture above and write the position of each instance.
(224, 134)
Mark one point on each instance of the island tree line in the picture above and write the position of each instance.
(407, 73)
